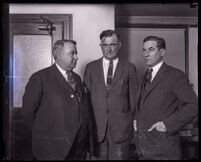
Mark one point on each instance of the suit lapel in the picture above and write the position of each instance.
(61, 80)
(99, 70)
(157, 79)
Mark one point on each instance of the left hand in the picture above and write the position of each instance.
(160, 126)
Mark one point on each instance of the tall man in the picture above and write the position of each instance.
(166, 103)
(55, 108)
(112, 84)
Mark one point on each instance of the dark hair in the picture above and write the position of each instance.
(59, 44)
(160, 41)
(109, 33)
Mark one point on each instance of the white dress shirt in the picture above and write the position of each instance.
(156, 69)
(106, 66)
(63, 72)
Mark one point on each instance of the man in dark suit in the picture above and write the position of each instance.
(55, 108)
(112, 85)
(166, 103)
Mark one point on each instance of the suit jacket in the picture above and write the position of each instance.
(116, 106)
(170, 99)
(53, 113)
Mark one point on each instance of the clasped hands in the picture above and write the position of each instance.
(159, 126)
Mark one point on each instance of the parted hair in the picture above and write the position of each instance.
(109, 33)
(160, 41)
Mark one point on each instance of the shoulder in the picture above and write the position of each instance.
(127, 64)
(175, 71)
(94, 63)
(42, 72)
(176, 75)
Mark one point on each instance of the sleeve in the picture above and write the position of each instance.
(31, 100)
(87, 86)
(133, 86)
(87, 79)
(188, 105)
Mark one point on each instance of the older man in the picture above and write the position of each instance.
(55, 108)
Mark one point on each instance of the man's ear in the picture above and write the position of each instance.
(162, 51)
(59, 57)
(119, 44)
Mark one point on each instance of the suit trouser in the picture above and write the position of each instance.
(109, 150)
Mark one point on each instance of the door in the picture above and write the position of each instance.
(31, 37)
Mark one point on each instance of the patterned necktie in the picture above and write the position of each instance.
(73, 85)
(148, 79)
(71, 81)
(109, 74)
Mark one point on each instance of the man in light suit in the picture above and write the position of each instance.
(55, 108)
(166, 103)
(112, 84)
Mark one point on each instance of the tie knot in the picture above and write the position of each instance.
(69, 75)
(150, 70)
(111, 61)
(149, 73)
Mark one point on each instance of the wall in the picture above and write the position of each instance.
(193, 57)
(89, 20)
(132, 44)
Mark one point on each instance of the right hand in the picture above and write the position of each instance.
(135, 125)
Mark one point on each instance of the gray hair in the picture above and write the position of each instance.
(58, 46)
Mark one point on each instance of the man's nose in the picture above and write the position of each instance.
(146, 53)
(109, 48)
(75, 57)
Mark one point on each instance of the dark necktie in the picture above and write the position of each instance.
(109, 74)
(148, 79)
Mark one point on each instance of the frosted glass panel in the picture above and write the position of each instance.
(30, 54)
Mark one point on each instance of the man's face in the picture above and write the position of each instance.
(152, 55)
(110, 47)
(69, 56)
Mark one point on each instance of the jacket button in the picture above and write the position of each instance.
(71, 96)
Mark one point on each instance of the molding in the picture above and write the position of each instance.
(161, 20)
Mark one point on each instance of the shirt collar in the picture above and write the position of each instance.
(63, 72)
(107, 61)
(157, 66)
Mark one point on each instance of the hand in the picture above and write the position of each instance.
(135, 125)
(160, 126)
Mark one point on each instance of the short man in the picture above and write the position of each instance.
(166, 103)
(55, 108)
(112, 84)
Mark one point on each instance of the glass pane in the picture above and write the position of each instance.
(30, 54)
